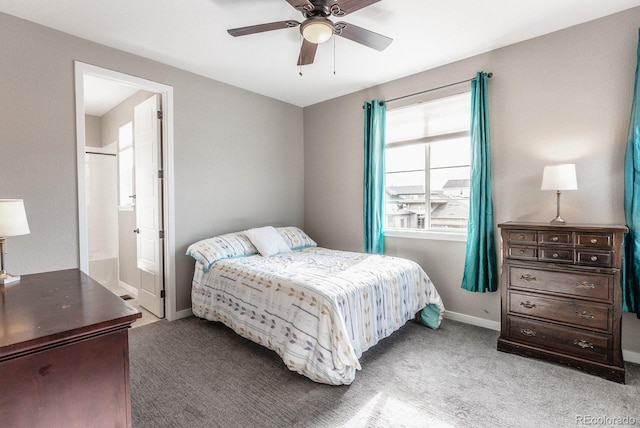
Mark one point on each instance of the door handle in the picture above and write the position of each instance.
(136, 230)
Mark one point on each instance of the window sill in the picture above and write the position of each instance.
(435, 235)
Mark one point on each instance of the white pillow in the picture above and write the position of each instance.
(295, 238)
(267, 240)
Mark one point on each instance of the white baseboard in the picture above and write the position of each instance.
(130, 289)
(468, 319)
(185, 313)
(630, 356)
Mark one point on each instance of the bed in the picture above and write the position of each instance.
(318, 309)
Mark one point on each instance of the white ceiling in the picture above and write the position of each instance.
(101, 95)
(191, 35)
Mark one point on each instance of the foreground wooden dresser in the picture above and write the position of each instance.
(64, 353)
(561, 295)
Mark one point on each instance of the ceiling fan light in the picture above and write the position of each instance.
(317, 30)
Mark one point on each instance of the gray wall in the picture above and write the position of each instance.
(111, 121)
(93, 130)
(240, 160)
(238, 155)
(565, 96)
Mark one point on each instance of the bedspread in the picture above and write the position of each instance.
(319, 309)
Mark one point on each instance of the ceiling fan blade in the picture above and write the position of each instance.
(363, 36)
(344, 7)
(302, 5)
(260, 28)
(307, 52)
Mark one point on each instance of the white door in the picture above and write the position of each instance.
(148, 173)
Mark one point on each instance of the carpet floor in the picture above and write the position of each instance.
(193, 373)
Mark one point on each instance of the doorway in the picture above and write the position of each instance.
(125, 196)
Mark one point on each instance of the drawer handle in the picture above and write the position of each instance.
(583, 344)
(554, 239)
(555, 255)
(584, 285)
(594, 258)
(528, 304)
(523, 251)
(528, 278)
(584, 315)
(521, 237)
(528, 332)
(593, 241)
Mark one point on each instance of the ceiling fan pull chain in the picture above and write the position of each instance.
(334, 55)
(300, 66)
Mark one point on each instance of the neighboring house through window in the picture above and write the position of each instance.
(428, 165)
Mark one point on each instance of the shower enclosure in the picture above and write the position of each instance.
(101, 170)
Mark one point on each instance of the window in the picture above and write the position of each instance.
(125, 165)
(428, 165)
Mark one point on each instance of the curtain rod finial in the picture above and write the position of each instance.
(490, 75)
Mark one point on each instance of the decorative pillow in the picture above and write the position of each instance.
(208, 251)
(296, 238)
(267, 240)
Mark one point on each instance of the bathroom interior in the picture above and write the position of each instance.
(110, 196)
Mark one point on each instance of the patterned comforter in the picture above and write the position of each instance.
(319, 309)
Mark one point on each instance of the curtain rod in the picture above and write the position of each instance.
(489, 75)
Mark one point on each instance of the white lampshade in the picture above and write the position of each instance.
(13, 218)
(559, 177)
(317, 30)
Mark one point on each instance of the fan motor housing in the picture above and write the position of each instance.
(320, 8)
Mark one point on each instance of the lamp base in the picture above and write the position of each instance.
(558, 220)
(5, 278)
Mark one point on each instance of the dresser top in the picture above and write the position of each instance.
(54, 306)
(568, 226)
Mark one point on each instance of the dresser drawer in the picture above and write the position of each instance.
(571, 311)
(522, 237)
(600, 240)
(594, 258)
(522, 253)
(555, 238)
(556, 255)
(560, 296)
(592, 285)
(566, 340)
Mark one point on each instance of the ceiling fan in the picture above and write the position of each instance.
(318, 28)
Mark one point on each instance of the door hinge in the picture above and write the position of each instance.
(161, 234)
(160, 114)
(160, 173)
(162, 294)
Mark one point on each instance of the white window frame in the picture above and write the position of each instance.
(431, 233)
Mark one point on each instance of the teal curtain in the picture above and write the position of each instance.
(375, 114)
(480, 267)
(631, 260)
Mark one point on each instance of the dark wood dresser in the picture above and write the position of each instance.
(64, 353)
(561, 295)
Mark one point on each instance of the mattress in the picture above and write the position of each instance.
(318, 309)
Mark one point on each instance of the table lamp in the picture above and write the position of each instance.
(13, 222)
(559, 177)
